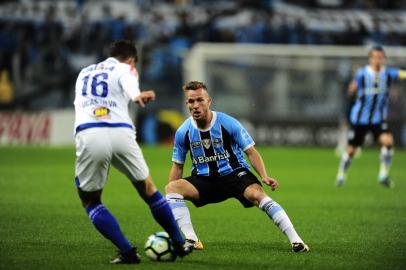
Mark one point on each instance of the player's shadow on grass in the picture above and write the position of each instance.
(237, 254)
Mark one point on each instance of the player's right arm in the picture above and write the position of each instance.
(353, 85)
(352, 88)
(176, 172)
(179, 154)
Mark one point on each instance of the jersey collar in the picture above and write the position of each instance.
(369, 69)
(112, 59)
(213, 120)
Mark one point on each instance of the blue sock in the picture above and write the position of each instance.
(163, 215)
(108, 226)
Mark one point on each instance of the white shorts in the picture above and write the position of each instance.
(96, 148)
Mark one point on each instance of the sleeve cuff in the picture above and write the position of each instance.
(178, 161)
(248, 146)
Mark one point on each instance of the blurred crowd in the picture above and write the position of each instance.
(43, 44)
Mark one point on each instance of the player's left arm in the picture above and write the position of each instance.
(353, 85)
(258, 164)
(129, 83)
(396, 74)
(144, 97)
(178, 155)
(244, 140)
(352, 88)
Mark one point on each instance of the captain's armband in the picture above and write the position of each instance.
(402, 74)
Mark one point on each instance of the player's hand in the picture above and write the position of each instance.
(270, 182)
(352, 88)
(145, 97)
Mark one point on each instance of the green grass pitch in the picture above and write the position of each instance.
(359, 226)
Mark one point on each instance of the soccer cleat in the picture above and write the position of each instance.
(340, 178)
(183, 249)
(129, 257)
(300, 247)
(197, 245)
(340, 182)
(386, 182)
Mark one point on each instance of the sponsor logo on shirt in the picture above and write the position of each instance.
(206, 159)
(217, 142)
(102, 113)
(196, 144)
(374, 91)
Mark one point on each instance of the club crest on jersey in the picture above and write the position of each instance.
(217, 142)
(102, 113)
(206, 143)
(196, 144)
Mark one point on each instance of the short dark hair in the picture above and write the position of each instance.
(123, 49)
(194, 85)
(378, 48)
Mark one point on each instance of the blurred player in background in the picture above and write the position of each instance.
(104, 135)
(216, 142)
(371, 87)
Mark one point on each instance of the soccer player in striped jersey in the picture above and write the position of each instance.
(217, 143)
(104, 135)
(369, 113)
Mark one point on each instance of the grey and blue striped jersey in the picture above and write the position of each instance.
(216, 151)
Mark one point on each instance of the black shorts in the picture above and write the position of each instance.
(218, 189)
(357, 133)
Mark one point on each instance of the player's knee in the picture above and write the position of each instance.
(351, 151)
(145, 188)
(89, 198)
(172, 187)
(386, 140)
(168, 188)
(254, 194)
(150, 188)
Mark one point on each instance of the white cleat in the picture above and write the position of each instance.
(340, 181)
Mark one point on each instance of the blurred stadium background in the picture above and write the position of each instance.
(282, 67)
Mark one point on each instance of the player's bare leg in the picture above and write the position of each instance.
(176, 193)
(387, 151)
(256, 195)
(345, 163)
